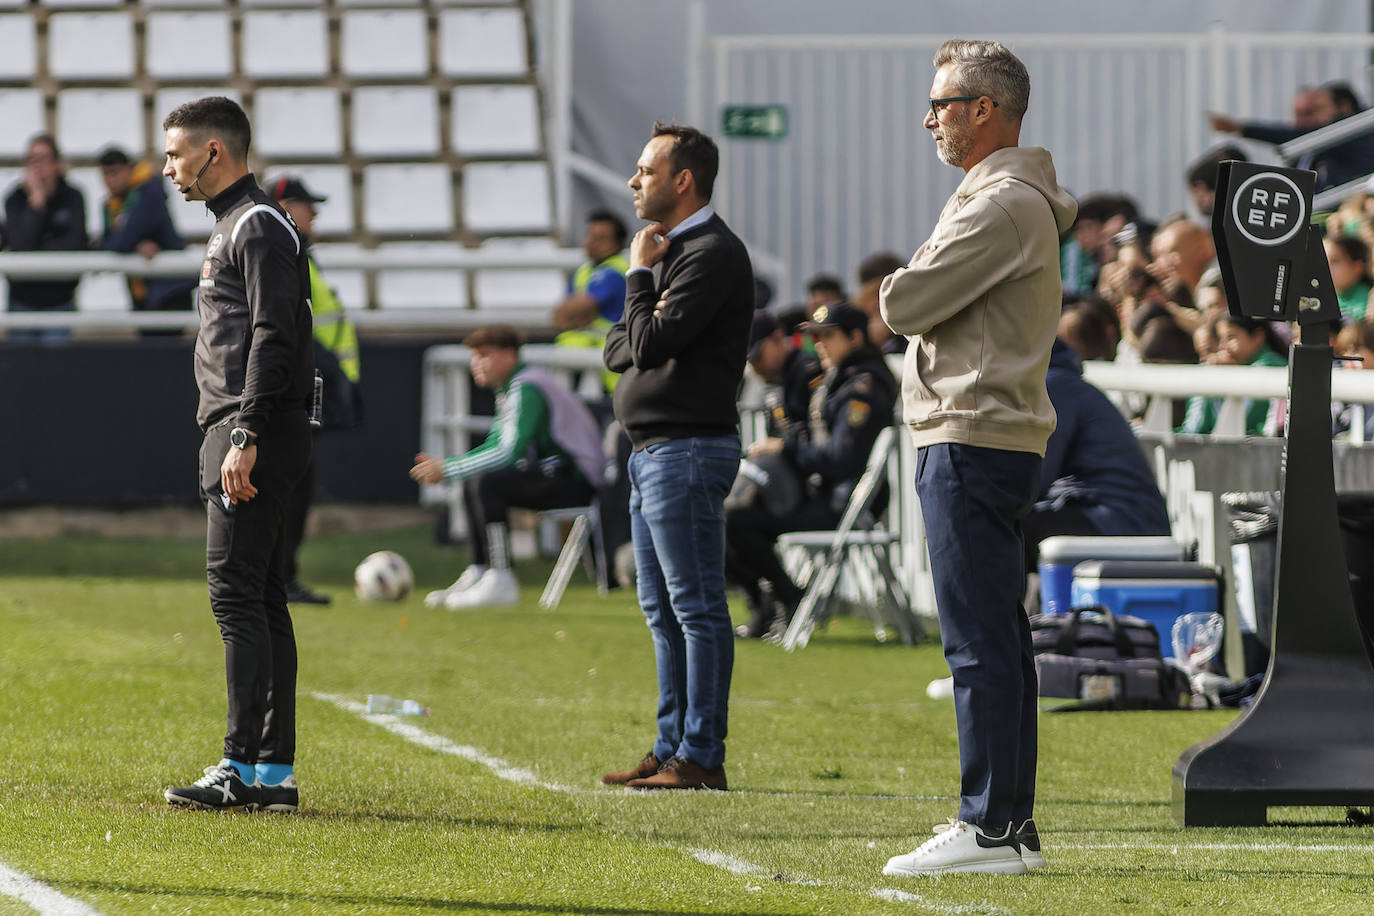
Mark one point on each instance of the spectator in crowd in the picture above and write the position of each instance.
(790, 373)
(136, 219)
(1348, 257)
(1314, 107)
(1202, 176)
(980, 301)
(1095, 479)
(1089, 246)
(1087, 332)
(596, 293)
(1182, 250)
(44, 213)
(543, 452)
(872, 270)
(1162, 340)
(1111, 322)
(828, 454)
(1241, 342)
(1206, 342)
(1356, 340)
(823, 289)
(681, 345)
(336, 359)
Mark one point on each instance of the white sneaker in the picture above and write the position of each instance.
(960, 847)
(464, 582)
(496, 587)
(1028, 839)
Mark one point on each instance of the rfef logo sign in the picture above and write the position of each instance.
(1261, 226)
(1268, 208)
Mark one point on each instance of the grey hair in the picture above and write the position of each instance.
(988, 68)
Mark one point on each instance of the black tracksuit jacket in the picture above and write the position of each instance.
(254, 352)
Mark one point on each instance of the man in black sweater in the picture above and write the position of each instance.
(681, 347)
(255, 368)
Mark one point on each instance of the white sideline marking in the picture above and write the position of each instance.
(506, 771)
(44, 899)
(416, 735)
(1225, 847)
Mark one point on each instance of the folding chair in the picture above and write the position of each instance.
(860, 542)
(583, 543)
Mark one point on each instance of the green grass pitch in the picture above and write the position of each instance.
(111, 688)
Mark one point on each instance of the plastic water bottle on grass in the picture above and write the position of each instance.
(380, 704)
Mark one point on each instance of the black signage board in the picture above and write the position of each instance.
(1260, 226)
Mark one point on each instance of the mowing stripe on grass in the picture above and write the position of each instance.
(1227, 847)
(44, 899)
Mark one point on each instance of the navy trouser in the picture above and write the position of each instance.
(972, 500)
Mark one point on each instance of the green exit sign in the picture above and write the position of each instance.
(767, 122)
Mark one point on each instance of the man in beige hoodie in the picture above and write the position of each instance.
(979, 302)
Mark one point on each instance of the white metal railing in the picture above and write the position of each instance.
(50, 265)
(857, 173)
(447, 428)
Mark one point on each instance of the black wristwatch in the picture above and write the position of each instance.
(242, 438)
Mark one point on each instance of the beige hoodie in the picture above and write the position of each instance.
(980, 303)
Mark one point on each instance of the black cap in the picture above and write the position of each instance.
(763, 327)
(840, 315)
(290, 187)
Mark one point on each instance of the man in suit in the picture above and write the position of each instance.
(681, 346)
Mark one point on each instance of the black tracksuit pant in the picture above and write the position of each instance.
(488, 498)
(245, 552)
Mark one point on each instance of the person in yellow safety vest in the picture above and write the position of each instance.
(596, 295)
(336, 356)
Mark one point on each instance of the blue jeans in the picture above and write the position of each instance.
(677, 521)
(40, 335)
(973, 500)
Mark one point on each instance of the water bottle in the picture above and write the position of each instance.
(380, 704)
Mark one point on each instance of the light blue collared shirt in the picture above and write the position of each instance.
(691, 222)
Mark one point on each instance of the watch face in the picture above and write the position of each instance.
(238, 438)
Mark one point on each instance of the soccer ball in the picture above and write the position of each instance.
(383, 576)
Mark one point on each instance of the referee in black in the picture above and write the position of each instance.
(254, 365)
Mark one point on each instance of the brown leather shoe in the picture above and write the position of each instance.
(646, 768)
(681, 773)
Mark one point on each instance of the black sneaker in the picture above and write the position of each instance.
(1028, 841)
(297, 593)
(282, 797)
(219, 789)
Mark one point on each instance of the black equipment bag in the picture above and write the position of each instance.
(1105, 661)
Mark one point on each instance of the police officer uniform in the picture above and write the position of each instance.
(255, 370)
(846, 411)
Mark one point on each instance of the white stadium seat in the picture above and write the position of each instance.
(182, 45)
(97, 46)
(297, 122)
(21, 116)
(349, 285)
(80, 4)
(181, 4)
(409, 198)
(495, 121)
(539, 289)
(421, 288)
(19, 38)
(335, 216)
(164, 100)
(385, 43)
(506, 197)
(286, 44)
(395, 121)
(88, 120)
(103, 292)
(191, 217)
(476, 42)
(88, 182)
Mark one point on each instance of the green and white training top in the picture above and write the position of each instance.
(537, 420)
